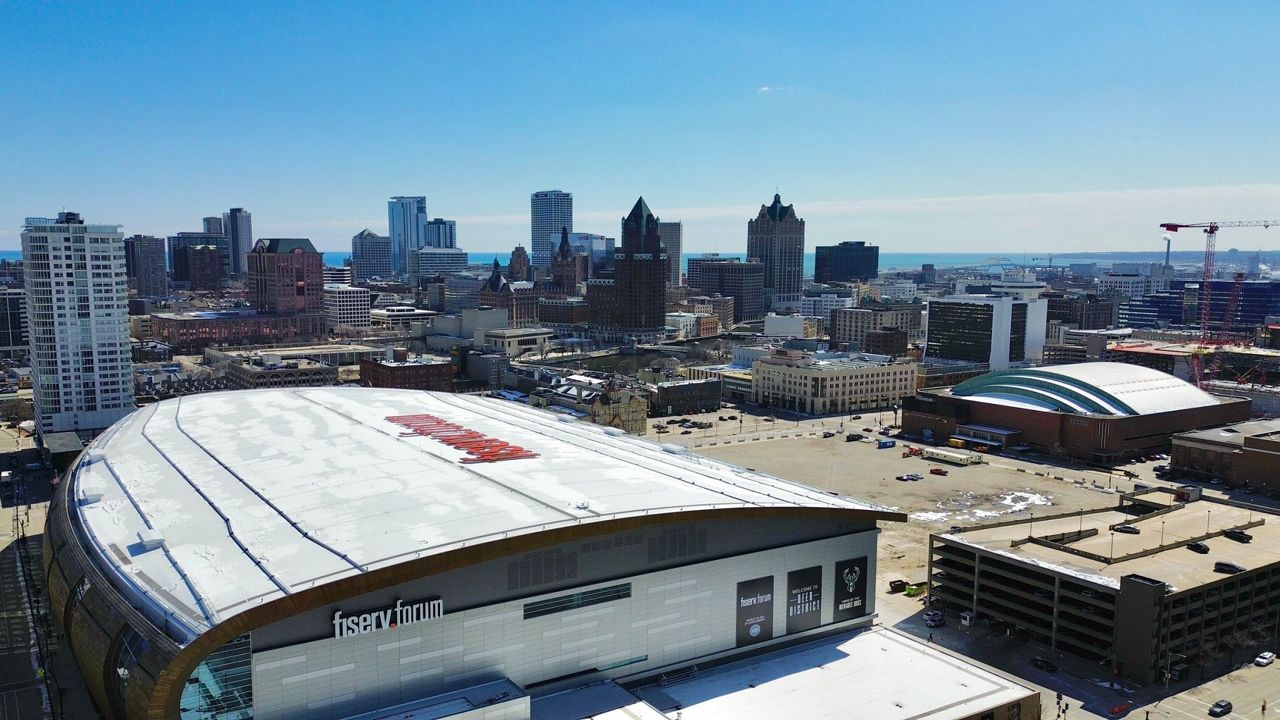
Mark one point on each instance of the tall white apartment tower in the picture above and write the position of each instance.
(672, 234)
(407, 221)
(79, 325)
(549, 211)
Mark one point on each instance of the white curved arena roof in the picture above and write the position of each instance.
(208, 505)
(1101, 388)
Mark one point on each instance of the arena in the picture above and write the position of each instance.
(347, 552)
(1101, 412)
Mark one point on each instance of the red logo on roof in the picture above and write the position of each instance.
(481, 447)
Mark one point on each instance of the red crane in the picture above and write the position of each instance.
(1210, 251)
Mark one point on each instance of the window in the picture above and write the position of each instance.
(221, 687)
(582, 599)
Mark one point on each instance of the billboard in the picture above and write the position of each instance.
(851, 589)
(755, 610)
(804, 599)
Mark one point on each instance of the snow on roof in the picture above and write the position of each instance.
(204, 506)
(1102, 388)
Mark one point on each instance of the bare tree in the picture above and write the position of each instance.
(17, 410)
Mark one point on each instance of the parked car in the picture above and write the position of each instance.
(1161, 468)
(1220, 708)
(937, 471)
(1127, 529)
(903, 478)
(828, 434)
(933, 618)
(732, 417)
(1238, 535)
(870, 430)
(685, 432)
(1265, 659)
(1199, 547)
(856, 417)
(1041, 664)
(1229, 568)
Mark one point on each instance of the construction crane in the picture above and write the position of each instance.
(1210, 251)
(1038, 259)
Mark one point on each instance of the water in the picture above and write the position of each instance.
(888, 261)
(893, 261)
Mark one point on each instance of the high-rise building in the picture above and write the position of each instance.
(846, 262)
(742, 281)
(631, 305)
(370, 256)
(407, 220)
(14, 343)
(568, 267)
(549, 211)
(441, 233)
(429, 262)
(226, 253)
(673, 240)
(237, 225)
(78, 297)
(1000, 331)
(203, 264)
(286, 276)
(518, 268)
(345, 305)
(213, 225)
(337, 275)
(598, 248)
(775, 239)
(150, 272)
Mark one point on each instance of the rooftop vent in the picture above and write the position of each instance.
(150, 539)
(614, 431)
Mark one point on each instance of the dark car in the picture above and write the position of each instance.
(1127, 529)
(1238, 536)
(1229, 568)
(1041, 664)
(1198, 547)
(1220, 708)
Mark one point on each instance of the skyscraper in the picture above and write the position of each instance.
(407, 220)
(150, 266)
(79, 362)
(370, 256)
(14, 343)
(286, 276)
(631, 305)
(549, 211)
(441, 233)
(213, 225)
(673, 240)
(776, 240)
(226, 253)
(237, 226)
(845, 262)
(518, 267)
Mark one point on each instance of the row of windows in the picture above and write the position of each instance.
(576, 600)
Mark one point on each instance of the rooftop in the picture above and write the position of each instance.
(876, 673)
(1093, 388)
(1233, 434)
(286, 489)
(1174, 564)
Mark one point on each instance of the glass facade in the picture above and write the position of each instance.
(221, 686)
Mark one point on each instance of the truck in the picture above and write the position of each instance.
(956, 443)
(882, 444)
(951, 456)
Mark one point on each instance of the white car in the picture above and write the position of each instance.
(1265, 659)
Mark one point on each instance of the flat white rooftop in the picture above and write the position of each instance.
(876, 673)
(208, 505)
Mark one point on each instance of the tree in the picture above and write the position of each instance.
(17, 411)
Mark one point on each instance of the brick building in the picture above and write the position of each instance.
(421, 373)
(632, 303)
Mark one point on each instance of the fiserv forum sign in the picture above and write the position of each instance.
(387, 618)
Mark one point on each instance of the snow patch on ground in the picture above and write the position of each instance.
(970, 508)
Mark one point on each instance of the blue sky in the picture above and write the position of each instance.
(984, 126)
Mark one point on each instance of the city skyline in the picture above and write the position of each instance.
(1003, 128)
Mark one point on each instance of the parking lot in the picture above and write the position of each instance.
(1006, 486)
